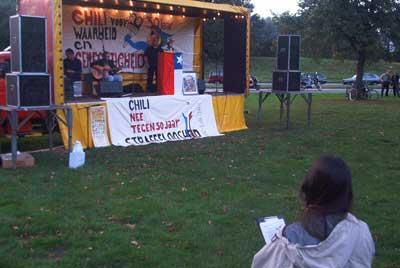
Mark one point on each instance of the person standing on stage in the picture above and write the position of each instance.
(72, 72)
(151, 58)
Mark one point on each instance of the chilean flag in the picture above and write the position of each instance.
(178, 73)
(170, 73)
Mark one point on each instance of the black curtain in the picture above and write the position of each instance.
(235, 40)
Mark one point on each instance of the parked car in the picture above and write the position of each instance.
(369, 78)
(218, 77)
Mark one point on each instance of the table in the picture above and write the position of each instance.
(12, 116)
(286, 98)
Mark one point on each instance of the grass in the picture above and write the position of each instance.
(193, 204)
(335, 70)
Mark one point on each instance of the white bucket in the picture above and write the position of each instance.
(77, 88)
(77, 156)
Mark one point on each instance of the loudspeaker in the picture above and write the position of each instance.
(110, 88)
(283, 53)
(294, 81)
(286, 81)
(28, 90)
(201, 86)
(279, 81)
(288, 54)
(294, 53)
(28, 44)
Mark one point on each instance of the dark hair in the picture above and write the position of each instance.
(327, 187)
(326, 190)
(69, 50)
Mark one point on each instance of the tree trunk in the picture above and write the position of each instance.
(359, 84)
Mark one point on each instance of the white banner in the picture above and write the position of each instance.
(158, 119)
(89, 31)
(98, 126)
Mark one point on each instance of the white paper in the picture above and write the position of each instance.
(270, 226)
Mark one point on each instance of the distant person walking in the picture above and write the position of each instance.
(386, 79)
(395, 84)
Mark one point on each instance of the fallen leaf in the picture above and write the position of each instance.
(135, 244)
(130, 226)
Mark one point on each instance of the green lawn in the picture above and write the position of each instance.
(335, 70)
(193, 204)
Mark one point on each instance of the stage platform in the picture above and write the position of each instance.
(228, 111)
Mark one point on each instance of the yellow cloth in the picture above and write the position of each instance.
(80, 124)
(229, 112)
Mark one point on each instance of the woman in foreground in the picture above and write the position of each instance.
(327, 234)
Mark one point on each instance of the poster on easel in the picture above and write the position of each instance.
(98, 126)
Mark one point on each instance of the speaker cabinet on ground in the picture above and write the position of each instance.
(288, 54)
(28, 90)
(286, 81)
(28, 44)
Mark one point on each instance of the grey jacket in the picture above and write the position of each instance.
(350, 245)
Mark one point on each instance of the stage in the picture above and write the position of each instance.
(126, 29)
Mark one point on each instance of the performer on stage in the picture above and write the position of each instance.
(72, 66)
(151, 55)
(106, 69)
(72, 72)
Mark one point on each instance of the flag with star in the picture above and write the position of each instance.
(170, 73)
(178, 73)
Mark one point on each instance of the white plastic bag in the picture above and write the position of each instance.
(77, 156)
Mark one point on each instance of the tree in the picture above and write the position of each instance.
(7, 8)
(214, 32)
(263, 35)
(359, 26)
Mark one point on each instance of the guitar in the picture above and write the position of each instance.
(100, 72)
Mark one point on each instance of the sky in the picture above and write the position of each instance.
(264, 7)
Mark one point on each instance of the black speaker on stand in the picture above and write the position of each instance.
(28, 90)
(28, 44)
(29, 83)
(286, 81)
(287, 75)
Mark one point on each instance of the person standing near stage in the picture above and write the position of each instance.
(151, 58)
(72, 71)
(386, 79)
(395, 84)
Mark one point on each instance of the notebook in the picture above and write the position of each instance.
(270, 226)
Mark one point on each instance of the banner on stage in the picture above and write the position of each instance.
(159, 119)
(98, 126)
(125, 34)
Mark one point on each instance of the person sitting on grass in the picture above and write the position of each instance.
(327, 234)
